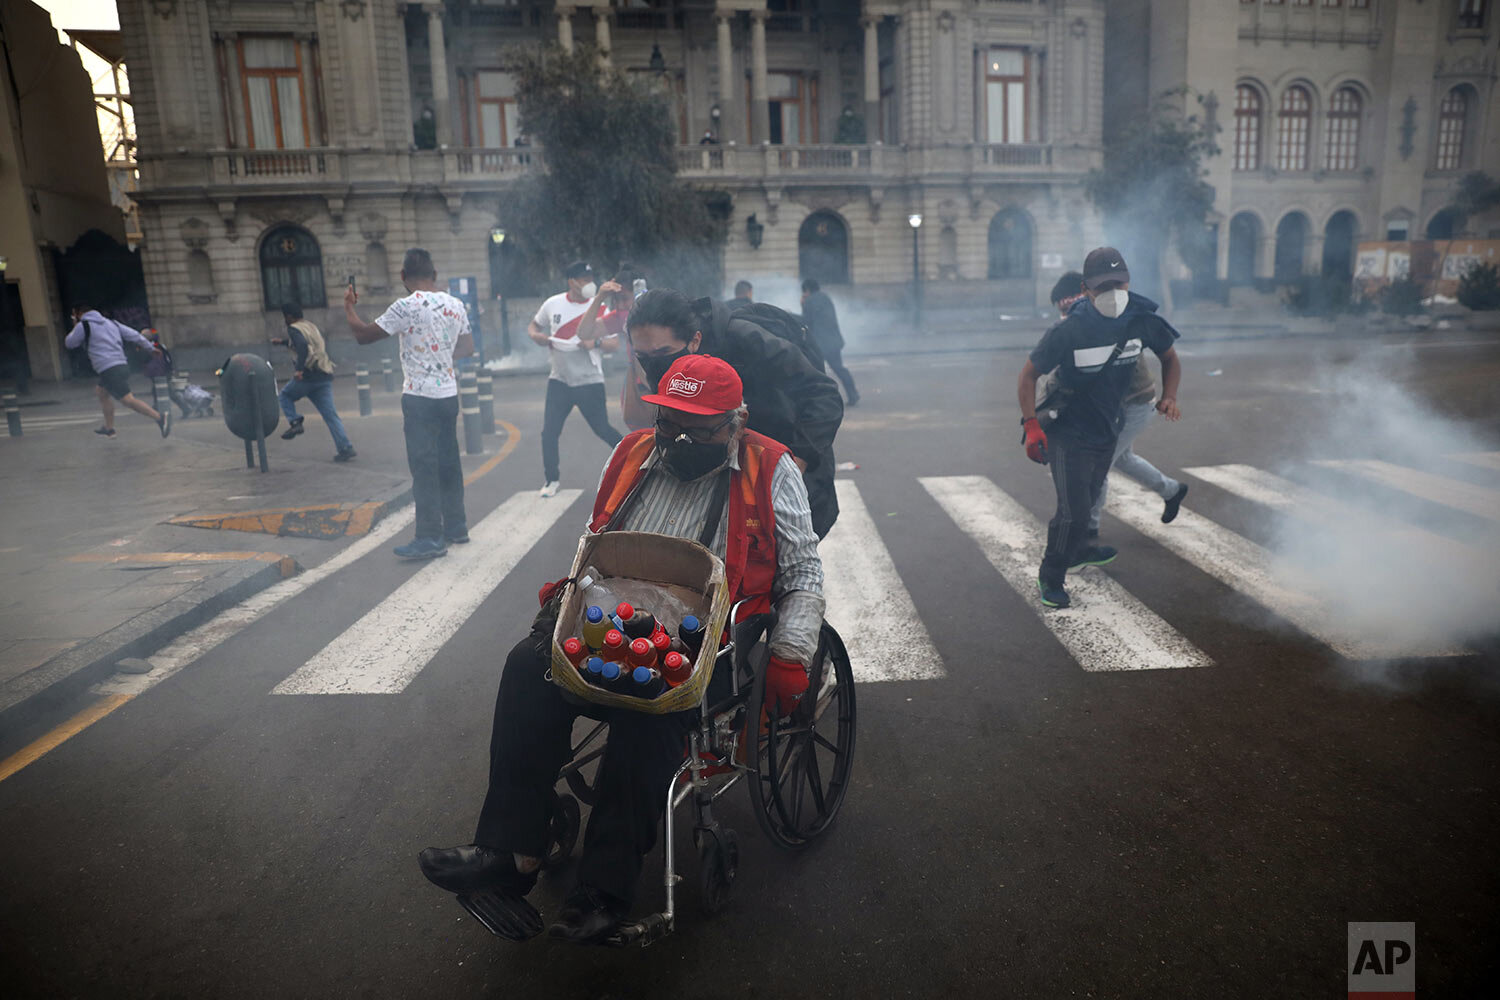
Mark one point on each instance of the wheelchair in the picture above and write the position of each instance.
(796, 769)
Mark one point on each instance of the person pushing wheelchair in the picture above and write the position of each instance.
(700, 474)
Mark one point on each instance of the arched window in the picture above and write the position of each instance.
(1295, 128)
(1010, 245)
(1246, 127)
(1453, 116)
(1342, 151)
(291, 269)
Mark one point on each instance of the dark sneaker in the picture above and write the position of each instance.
(588, 917)
(460, 539)
(1173, 503)
(165, 422)
(345, 455)
(471, 867)
(1053, 596)
(421, 548)
(293, 428)
(108, 432)
(1091, 536)
(1095, 555)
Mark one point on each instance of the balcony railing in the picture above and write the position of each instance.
(278, 163)
(492, 162)
(1017, 155)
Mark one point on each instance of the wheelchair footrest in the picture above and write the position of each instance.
(643, 932)
(503, 914)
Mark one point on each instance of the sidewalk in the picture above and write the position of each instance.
(96, 570)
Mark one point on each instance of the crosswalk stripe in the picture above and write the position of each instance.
(1484, 459)
(1106, 628)
(1245, 566)
(1439, 489)
(383, 651)
(1282, 494)
(867, 602)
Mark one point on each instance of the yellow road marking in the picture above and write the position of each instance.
(35, 751)
(512, 438)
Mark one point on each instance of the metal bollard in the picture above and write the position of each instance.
(159, 397)
(468, 405)
(486, 403)
(362, 380)
(13, 414)
(389, 374)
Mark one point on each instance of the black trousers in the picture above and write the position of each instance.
(530, 742)
(437, 477)
(561, 398)
(834, 356)
(1078, 472)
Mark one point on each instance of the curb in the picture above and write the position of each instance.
(70, 673)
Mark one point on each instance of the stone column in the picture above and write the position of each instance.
(760, 104)
(728, 92)
(601, 33)
(438, 55)
(872, 77)
(565, 28)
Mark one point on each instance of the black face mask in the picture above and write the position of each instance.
(689, 460)
(655, 366)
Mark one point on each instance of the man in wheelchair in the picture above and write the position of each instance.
(699, 474)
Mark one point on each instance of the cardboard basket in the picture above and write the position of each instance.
(650, 558)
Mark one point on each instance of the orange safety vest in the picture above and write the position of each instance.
(750, 553)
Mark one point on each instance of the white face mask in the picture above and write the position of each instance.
(1112, 302)
(589, 291)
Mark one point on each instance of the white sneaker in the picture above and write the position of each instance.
(550, 490)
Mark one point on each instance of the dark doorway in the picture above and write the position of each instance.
(15, 363)
(1010, 245)
(1244, 241)
(100, 272)
(823, 249)
(1338, 246)
(1291, 242)
(291, 269)
(1444, 225)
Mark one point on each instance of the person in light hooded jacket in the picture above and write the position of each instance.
(105, 340)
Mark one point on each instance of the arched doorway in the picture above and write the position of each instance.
(1338, 245)
(1291, 243)
(291, 269)
(1010, 245)
(823, 249)
(1244, 241)
(1444, 225)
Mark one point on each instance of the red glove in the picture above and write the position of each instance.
(785, 683)
(1036, 441)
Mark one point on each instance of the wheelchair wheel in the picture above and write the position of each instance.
(564, 830)
(802, 762)
(718, 864)
(585, 754)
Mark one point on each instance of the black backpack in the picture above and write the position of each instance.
(780, 323)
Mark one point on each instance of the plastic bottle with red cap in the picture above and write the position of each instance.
(676, 668)
(574, 649)
(614, 646)
(642, 654)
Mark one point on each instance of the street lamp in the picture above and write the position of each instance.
(754, 232)
(915, 221)
(497, 246)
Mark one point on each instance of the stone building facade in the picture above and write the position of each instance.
(1341, 120)
(287, 144)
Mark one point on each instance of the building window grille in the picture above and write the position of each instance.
(1471, 13)
(271, 80)
(1295, 129)
(291, 269)
(1246, 128)
(1006, 98)
(1343, 130)
(1453, 115)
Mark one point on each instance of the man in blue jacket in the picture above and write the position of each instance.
(1095, 351)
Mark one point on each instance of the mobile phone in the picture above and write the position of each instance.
(351, 282)
(638, 287)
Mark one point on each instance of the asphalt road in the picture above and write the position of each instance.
(1018, 826)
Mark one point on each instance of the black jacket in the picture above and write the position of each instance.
(822, 322)
(789, 400)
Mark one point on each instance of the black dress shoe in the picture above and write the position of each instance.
(588, 917)
(470, 867)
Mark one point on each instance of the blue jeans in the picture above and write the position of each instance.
(1137, 418)
(321, 394)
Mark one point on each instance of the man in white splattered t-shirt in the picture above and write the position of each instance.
(433, 329)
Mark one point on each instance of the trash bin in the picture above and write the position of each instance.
(247, 395)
